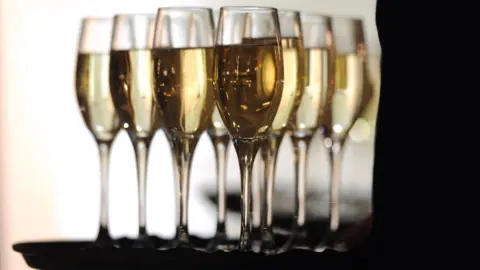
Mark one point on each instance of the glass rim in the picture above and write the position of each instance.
(97, 19)
(292, 12)
(188, 8)
(347, 18)
(133, 15)
(248, 8)
(314, 15)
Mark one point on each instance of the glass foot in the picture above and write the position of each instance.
(103, 241)
(331, 242)
(220, 243)
(268, 245)
(298, 240)
(182, 238)
(143, 241)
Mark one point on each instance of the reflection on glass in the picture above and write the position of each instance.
(364, 127)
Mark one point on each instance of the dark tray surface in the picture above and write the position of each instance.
(72, 255)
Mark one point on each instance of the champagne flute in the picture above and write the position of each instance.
(293, 66)
(218, 134)
(352, 91)
(318, 76)
(248, 79)
(220, 140)
(96, 105)
(131, 86)
(183, 59)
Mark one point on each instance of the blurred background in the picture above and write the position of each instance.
(49, 182)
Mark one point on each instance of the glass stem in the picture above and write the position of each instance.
(220, 144)
(335, 154)
(183, 148)
(257, 200)
(142, 147)
(301, 146)
(269, 157)
(298, 237)
(104, 150)
(246, 152)
(257, 195)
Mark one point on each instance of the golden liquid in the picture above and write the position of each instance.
(184, 90)
(93, 95)
(312, 104)
(364, 127)
(249, 85)
(293, 71)
(132, 88)
(216, 126)
(351, 93)
(374, 72)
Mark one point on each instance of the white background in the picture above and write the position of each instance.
(49, 168)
